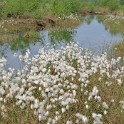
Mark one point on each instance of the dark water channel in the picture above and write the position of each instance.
(91, 33)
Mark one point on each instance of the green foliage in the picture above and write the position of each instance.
(1, 6)
(111, 4)
(40, 8)
(122, 2)
(65, 7)
(19, 7)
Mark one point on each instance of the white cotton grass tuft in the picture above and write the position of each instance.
(105, 105)
(82, 117)
(97, 118)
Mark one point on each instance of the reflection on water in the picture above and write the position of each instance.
(61, 35)
(91, 33)
(94, 35)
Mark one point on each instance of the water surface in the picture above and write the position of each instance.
(91, 33)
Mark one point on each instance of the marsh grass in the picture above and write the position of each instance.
(39, 9)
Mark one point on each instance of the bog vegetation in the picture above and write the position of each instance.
(41, 8)
(67, 86)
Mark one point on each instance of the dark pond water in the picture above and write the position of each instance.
(91, 33)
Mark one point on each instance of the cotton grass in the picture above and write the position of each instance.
(67, 86)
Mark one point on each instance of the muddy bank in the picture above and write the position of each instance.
(15, 25)
(100, 11)
(25, 24)
(12, 28)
